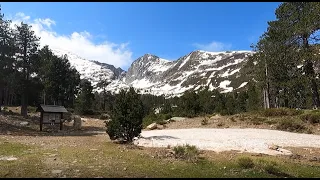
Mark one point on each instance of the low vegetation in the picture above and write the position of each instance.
(245, 162)
(186, 152)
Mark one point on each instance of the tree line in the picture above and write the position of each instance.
(30, 75)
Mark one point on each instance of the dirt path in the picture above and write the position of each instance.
(244, 140)
(91, 134)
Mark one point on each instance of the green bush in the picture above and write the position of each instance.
(311, 117)
(291, 125)
(167, 116)
(126, 117)
(257, 120)
(186, 152)
(281, 112)
(157, 118)
(245, 162)
(31, 109)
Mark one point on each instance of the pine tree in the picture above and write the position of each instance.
(84, 101)
(7, 52)
(27, 44)
(300, 22)
(126, 117)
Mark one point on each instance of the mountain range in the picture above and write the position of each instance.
(153, 75)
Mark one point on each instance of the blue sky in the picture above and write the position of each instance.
(119, 32)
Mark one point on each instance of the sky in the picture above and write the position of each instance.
(118, 33)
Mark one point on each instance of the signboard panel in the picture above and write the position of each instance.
(51, 117)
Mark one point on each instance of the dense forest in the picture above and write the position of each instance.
(284, 72)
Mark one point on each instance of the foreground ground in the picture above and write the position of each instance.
(88, 152)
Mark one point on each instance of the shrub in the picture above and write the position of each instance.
(271, 121)
(233, 119)
(220, 124)
(312, 117)
(281, 112)
(167, 116)
(204, 121)
(126, 117)
(291, 125)
(162, 122)
(186, 152)
(104, 116)
(257, 120)
(241, 117)
(31, 109)
(245, 162)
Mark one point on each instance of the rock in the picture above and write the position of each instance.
(24, 123)
(84, 120)
(93, 149)
(314, 159)
(273, 147)
(6, 158)
(124, 169)
(52, 155)
(58, 171)
(152, 126)
(160, 127)
(284, 151)
(178, 118)
(271, 126)
(77, 123)
(170, 120)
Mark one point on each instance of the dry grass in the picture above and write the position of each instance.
(83, 154)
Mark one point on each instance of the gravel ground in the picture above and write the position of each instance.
(243, 140)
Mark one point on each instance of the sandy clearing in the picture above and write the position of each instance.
(243, 140)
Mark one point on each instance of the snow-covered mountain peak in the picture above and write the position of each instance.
(152, 74)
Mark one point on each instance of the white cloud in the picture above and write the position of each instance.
(213, 46)
(79, 43)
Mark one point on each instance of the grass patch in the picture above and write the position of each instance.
(271, 121)
(157, 118)
(257, 120)
(291, 125)
(28, 163)
(312, 117)
(31, 109)
(186, 152)
(280, 112)
(113, 160)
(245, 162)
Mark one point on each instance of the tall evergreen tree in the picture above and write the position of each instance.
(85, 99)
(27, 44)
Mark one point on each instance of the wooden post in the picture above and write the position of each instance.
(41, 120)
(61, 123)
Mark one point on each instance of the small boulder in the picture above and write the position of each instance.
(160, 127)
(56, 171)
(24, 123)
(77, 123)
(273, 147)
(152, 126)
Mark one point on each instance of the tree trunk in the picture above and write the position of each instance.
(0, 99)
(24, 105)
(315, 94)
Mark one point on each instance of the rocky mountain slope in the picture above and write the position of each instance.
(198, 69)
(154, 75)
